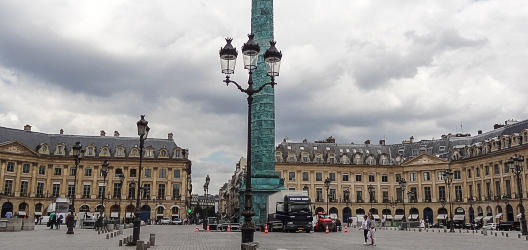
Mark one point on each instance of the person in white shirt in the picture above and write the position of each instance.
(364, 227)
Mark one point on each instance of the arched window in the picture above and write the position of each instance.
(134, 152)
(163, 153)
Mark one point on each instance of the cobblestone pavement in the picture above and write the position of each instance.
(184, 237)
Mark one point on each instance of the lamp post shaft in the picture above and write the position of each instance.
(71, 222)
(524, 229)
(248, 228)
(137, 223)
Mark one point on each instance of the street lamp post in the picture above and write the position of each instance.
(448, 178)
(272, 58)
(327, 186)
(517, 168)
(78, 153)
(403, 185)
(393, 204)
(104, 172)
(121, 180)
(470, 200)
(206, 191)
(371, 196)
(143, 129)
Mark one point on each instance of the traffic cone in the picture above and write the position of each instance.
(326, 229)
(346, 229)
(208, 229)
(196, 229)
(266, 229)
(229, 228)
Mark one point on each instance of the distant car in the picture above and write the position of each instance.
(165, 221)
(490, 226)
(516, 226)
(177, 221)
(505, 226)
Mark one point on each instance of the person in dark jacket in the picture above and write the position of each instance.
(59, 221)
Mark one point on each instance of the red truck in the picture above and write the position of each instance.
(322, 221)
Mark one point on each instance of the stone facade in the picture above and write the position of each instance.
(37, 168)
(229, 195)
(476, 161)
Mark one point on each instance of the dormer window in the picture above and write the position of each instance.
(134, 152)
(44, 148)
(315, 148)
(302, 148)
(149, 152)
(120, 152)
(177, 153)
(90, 151)
(289, 147)
(104, 152)
(163, 153)
(60, 150)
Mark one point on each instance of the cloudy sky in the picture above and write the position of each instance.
(352, 69)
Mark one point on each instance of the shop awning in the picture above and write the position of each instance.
(479, 218)
(441, 217)
(114, 215)
(159, 215)
(459, 217)
(398, 217)
(413, 217)
(388, 217)
(376, 217)
(129, 215)
(22, 213)
(487, 218)
(519, 216)
(498, 216)
(38, 213)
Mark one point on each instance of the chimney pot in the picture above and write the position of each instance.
(102, 133)
(170, 136)
(479, 132)
(27, 127)
(367, 142)
(411, 139)
(116, 133)
(382, 142)
(61, 131)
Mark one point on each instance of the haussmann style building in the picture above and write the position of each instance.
(483, 188)
(37, 169)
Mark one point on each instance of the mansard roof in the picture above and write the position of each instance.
(34, 140)
(441, 148)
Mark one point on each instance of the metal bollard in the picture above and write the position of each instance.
(152, 239)
(519, 236)
(506, 235)
(502, 233)
(111, 235)
(98, 231)
(495, 234)
(107, 236)
(125, 240)
(139, 245)
(120, 243)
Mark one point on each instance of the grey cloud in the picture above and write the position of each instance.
(378, 64)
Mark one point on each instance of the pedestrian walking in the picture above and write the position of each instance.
(422, 223)
(59, 221)
(372, 230)
(52, 220)
(364, 228)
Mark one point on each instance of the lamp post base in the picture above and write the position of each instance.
(248, 232)
(136, 231)
(524, 230)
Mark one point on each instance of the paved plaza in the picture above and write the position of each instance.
(184, 237)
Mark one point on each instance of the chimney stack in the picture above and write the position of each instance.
(479, 132)
(27, 127)
(116, 133)
(382, 142)
(367, 142)
(411, 139)
(170, 136)
(102, 133)
(61, 131)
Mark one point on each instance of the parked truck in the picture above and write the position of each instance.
(289, 211)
